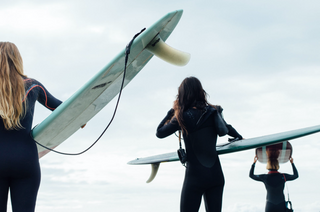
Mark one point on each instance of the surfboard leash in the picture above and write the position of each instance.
(127, 52)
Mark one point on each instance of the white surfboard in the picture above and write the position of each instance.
(105, 85)
(236, 146)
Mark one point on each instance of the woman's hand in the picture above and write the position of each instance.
(291, 160)
(235, 139)
(255, 159)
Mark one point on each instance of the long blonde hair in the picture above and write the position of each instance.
(12, 90)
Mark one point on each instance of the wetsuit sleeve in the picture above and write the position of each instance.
(295, 173)
(232, 132)
(46, 99)
(171, 127)
(252, 176)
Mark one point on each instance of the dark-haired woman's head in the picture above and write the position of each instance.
(190, 95)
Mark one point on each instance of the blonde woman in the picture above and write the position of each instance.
(19, 163)
(274, 181)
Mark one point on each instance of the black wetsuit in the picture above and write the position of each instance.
(274, 183)
(19, 162)
(204, 176)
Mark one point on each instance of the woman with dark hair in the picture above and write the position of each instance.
(274, 181)
(19, 162)
(193, 115)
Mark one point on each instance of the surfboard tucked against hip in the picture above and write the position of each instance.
(101, 89)
(230, 147)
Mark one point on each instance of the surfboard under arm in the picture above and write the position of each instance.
(237, 146)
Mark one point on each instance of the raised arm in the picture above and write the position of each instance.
(168, 125)
(295, 172)
(251, 174)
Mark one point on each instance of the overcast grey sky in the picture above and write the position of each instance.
(258, 59)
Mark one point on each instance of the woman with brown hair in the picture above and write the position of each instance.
(274, 181)
(193, 115)
(19, 162)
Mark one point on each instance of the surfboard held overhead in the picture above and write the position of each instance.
(165, 52)
(85, 103)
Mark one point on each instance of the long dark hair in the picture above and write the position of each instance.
(190, 94)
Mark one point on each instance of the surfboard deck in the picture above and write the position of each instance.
(101, 89)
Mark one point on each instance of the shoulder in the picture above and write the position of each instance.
(32, 85)
(215, 108)
(31, 81)
(218, 108)
(263, 176)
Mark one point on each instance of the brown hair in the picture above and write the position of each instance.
(12, 89)
(190, 94)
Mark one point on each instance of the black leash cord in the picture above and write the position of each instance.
(127, 52)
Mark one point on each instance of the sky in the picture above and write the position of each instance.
(259, 60)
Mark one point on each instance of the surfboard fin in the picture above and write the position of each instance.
(165, 52)
(154, 171)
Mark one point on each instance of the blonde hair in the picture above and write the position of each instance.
(273, 162)
(12, 90)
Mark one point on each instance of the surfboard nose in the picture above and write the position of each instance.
(167, 53)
